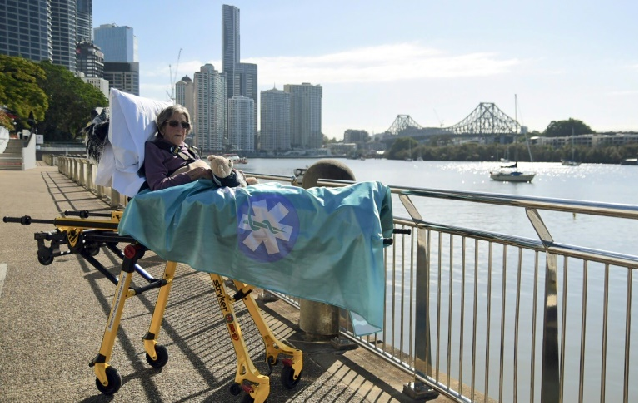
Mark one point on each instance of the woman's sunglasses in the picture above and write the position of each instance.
(175, 123)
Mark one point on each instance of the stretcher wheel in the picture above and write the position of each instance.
(113, 379)
(45, 258)
(286, 377)
(235, 389)
(93, 249)
(162, 357)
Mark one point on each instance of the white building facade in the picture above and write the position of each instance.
(210, 109)
(275, 120)
(241, 118)
(305, 116)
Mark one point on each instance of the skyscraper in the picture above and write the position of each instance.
(64, 36)
(275, 120)
(241, 78)
(185, 96)
(84, 21)
(26, 29)
(118, 44)
(90, 59)
(210, 108)
(230, 46)
(305, 115)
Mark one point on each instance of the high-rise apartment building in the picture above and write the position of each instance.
(275, 121)
(26, 29)
(305, 115)
(210, 109)
(84, 21)
(118, 44)
(241, 78)
(241, 117)
(185, 96)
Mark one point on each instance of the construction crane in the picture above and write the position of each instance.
(173, 77)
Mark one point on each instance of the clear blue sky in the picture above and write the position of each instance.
(432, 60)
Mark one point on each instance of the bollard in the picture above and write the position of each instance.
(316, 319)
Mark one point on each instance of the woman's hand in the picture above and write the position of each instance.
(200, 173)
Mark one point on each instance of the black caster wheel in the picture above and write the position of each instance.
(235, 389)
(286, 377)
(162, 357)
(93, 249)
(114, 382)
(46, 258)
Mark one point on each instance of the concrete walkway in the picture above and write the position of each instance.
(52, 319)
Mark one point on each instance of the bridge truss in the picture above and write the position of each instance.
(486, 119)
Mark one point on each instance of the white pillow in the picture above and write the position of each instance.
(132, 123)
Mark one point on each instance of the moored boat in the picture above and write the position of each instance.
(512, 175)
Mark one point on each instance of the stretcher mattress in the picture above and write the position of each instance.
(321, 244)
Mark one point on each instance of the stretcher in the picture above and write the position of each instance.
(85, 233)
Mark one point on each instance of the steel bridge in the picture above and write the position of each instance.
(485, 119)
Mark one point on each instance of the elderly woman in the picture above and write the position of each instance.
(167, 152)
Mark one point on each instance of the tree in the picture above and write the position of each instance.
(564, 128)
(400, 149)
(19, 90)
(71, 101)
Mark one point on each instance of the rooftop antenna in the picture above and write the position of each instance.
(173, 77)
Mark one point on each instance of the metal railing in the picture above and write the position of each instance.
(480, 316)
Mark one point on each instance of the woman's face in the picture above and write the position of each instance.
(175, 129)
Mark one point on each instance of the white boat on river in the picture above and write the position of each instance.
(510, 173)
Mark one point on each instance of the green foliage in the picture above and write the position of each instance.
(19, 89)
(402, 149)
(565, 127)
(71, 101)
(515, 152)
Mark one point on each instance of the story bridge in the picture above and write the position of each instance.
(486, 119)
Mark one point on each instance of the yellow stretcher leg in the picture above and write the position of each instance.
(108, 381)
(247, 378)
(157, 356)
(257, 386)
(291, 372)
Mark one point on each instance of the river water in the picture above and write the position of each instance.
(616, 184)
(592, 182)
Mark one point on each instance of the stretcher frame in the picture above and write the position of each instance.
(86, 236)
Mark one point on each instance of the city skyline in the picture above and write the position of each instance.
(434, 62)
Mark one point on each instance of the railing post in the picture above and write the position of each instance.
(550, 388)
(115, 199)
(422, 345)
(316, 318)
(89, 176)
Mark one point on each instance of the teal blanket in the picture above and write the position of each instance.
(321, 244)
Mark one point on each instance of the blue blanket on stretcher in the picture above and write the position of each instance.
(321, 244)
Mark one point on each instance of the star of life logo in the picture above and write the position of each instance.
(267, 227)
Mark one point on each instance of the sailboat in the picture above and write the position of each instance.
(509, 172)
(571, 162)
